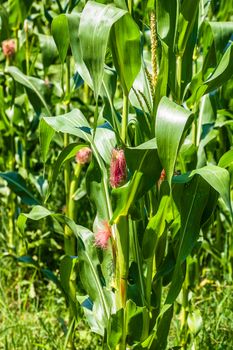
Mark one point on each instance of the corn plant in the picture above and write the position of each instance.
(149, 145)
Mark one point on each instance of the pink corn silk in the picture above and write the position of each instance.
(83, 156)
(102, 236)
(8, 47)
(118, 172)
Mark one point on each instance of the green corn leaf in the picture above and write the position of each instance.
(4, 27)
(95, 25)
(30, 83)
(95, 189)
(125, 38)
(134, 320)
(221, 74)
(226, 160)
(105, 141)
(115, 328)
(192, 204)
(48, 49)
(18, 11)
(155, 228)
(217, 36)
(187, 19)
(171, 123)
(97, 20)
(67, 153)
(162, 330)
(167, 18)
(73, 123)
(87, 259)
(60, 32)
(18, 185)
(68, 280)
(219, 179)
(121, 4)
(144, 164)
(73, 23)
(88, 263)
(46, 135)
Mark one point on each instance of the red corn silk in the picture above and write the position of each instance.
(162, 177)
(118, 171)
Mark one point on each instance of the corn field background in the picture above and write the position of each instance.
(116, 174)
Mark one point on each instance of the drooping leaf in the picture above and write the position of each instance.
(66, 154)
(30, 83)
(219, 179)
(105, 141)
(18, 185)
(73, 123)
(221, 74)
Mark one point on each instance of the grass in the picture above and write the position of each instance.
(33, 314)
(216, 307)
(212, 301)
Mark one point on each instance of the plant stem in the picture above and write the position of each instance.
(11, 222)
(69, 239)
(125, 118)
(130, 6)
(27, 53)
(197, 126)
(122, 273)
(73, 189)
(149, 280)
(185, 303)
(85, 93)
(178, 77)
